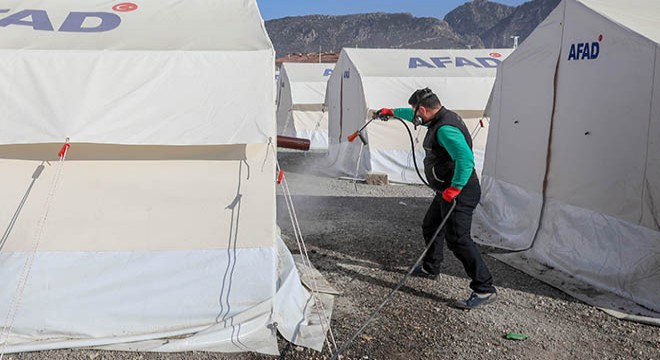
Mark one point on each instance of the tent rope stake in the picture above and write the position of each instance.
(325, 324)
(29, 262)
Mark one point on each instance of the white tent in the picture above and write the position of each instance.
(572, 167)
(366, 80)
(157, 232)
(300, 111)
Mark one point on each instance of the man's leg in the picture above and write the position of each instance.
(432, 220)
(460, 242)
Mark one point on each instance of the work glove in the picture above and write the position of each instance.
(385, 114)
(450, 193)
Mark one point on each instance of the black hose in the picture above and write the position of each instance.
(419, 259)
(401, 282)
(412, 148)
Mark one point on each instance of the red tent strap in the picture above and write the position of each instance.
(63, 150)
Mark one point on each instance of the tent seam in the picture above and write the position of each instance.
(550, 131)
(648, 141)
(499, 125)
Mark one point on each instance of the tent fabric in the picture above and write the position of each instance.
(571, 174)
(155, 50)
(366, 80)
(521, 137)
(300, 110)
(168, 25)
(640, 18)
(196, 305)
(148, 107)
(142, 250)
(580, 290)
(142, 238)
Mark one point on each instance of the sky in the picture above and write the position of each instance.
(274, 9)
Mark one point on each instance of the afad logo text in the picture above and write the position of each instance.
(585, 50)
(75, 21)
(442, 62)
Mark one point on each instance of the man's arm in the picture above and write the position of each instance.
(404, 113)
(452, 139)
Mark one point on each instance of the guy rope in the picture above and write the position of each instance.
(29, 261)
(302, 248)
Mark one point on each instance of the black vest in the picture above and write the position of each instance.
(438, 164)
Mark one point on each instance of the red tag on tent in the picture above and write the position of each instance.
(280, 176)
(63, 150)
(481, 122)
(124, 7)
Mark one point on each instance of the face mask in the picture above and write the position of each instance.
(417, 98)
(417, 120)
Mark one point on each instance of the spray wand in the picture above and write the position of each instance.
(352, 138)
(358, 133)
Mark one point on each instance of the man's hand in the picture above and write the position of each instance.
(450, 193)
(385, 114)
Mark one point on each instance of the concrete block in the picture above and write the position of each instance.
(375, 178)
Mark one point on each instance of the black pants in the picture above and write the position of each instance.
(457, 234)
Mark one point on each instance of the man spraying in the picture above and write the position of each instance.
(449, 170)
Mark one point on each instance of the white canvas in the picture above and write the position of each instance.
(587, 206)
(157, 231)
(516, 152)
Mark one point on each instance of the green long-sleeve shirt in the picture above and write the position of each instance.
(452, 139)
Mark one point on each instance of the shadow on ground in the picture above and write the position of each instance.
(383, 233)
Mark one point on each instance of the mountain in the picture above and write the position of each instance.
(303, 34)
(521, 22)
(477, 16)
(475, 24)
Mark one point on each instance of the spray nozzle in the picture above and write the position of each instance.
(357, 134)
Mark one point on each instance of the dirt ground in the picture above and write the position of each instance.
(364, 241)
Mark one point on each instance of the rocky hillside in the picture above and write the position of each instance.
(302, 34)
(521, 22)
(475, 24)
(477, 17)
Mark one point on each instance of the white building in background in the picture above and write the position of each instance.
(300, 111)
(366, 80)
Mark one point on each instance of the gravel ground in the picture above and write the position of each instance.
(363, 243)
